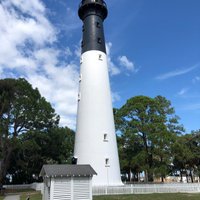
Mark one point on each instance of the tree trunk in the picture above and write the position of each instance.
(146, 176)
(191, 176)
(137, 177)
(150, 163)
(181, 176)
(1, 178)
(5, 162)
(150, 176)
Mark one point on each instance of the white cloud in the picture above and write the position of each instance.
(17, 32)
(182, 91)
(125, 62)
(113, 69)
(176, 73)
(196, 79)
(32, 7)
(27, 50)
(115, 97)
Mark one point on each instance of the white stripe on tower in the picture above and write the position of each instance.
(95, 141)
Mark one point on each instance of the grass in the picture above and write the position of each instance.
(24, 194)
(18, 191)
(33, 196)
(178, 196)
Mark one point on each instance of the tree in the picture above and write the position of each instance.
(129, 146)
(181, 155)
(153, 121)
(60, 146)
(34, 149)
(186, 154)
(195, 144)
(22, 109)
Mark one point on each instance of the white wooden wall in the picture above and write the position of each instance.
(46, 189)
(61, 189)
(71, 188)
(82, 188)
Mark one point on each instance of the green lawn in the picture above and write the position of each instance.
(150, 197)
(178, 196)
(33, 196)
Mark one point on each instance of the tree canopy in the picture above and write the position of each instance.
(148, 126)
(22, 109)
(150, 137)
(36, 148)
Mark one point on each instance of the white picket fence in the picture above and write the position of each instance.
(148, 188)
(34, 186)
(128, 189)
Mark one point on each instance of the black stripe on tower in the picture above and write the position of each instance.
(93, 13)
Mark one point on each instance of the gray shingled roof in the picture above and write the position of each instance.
(67, 170)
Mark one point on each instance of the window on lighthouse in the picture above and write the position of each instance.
(100, 57)
(83, 28)
(99, 40)
(82, 43)
(79, 96)
(105, 137)
(80, 77)
(98, 25)
(81, 60)
(107, 162)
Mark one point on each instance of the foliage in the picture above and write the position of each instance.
(38, 148)
(22, 109)
(186, 155)
(148, 127)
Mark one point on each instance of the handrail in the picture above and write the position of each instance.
(93, 1)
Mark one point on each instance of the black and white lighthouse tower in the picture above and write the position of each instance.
(95, 141)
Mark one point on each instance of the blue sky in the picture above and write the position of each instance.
(153, 49)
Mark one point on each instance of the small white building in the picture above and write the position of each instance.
(67, 182)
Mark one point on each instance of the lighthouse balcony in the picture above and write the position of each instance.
(100, 2)
(86, 7)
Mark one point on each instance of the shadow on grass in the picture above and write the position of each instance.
(178, 196)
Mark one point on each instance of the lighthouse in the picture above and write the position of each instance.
(95, 139)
